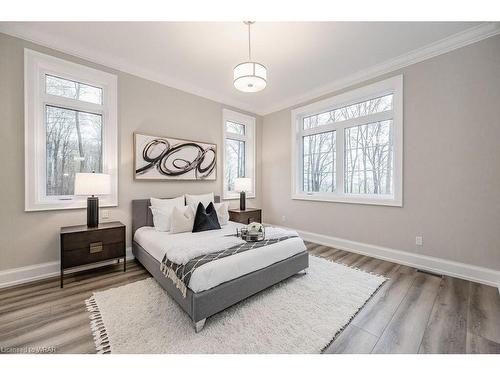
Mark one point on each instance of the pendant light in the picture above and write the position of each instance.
(250, 76)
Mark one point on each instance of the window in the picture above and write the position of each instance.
(318, 158)
(73, 144)
(238, 151)
(349, 148)
(70, 127)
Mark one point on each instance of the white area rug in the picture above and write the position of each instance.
(299, 315)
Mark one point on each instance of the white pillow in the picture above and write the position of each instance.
(182, 220)
(162, 211)
(167, 203)
(205, 199)
(222, 212)
(161, 219)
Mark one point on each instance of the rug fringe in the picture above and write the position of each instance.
(348, 266)
(101, 339)
(354, 315)
(364, 304)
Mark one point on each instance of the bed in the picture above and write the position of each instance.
(222, 283)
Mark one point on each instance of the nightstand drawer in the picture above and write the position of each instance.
(246, 217)
(80, 240)
(83, 245)
(92, 253)
(253, 217)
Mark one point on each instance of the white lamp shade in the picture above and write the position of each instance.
(250, 77)
(92, 184)
(243, 184)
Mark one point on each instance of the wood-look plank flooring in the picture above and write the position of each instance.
(412, 312)
(42, 315)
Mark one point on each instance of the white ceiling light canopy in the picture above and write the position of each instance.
(250, 76)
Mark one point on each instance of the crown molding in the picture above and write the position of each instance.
(448, 44)
(125, 67)
(453, 42)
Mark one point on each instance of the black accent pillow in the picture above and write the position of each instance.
(206, 218)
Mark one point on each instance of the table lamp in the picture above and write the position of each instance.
(90, 185)
(243, 185)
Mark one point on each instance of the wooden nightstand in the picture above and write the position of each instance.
(81, 245)
(247, 216)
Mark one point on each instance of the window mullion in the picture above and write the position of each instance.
(368, 119)
(339, 161)
(236, 137)
(319, 129)
(73, 104)
(299, 157)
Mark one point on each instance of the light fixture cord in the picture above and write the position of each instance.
(249, 44)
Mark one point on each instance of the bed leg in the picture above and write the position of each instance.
(304, 271)
(198, 326)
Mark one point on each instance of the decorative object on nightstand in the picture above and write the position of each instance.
(82, 245)
(92, 184)
(247, 216)
(243, 184)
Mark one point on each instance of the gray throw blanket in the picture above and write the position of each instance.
(180, 274)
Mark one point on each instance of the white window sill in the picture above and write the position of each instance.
(237, 196)
(53, 206)
(352, 199)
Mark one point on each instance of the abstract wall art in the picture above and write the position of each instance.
(162, 158)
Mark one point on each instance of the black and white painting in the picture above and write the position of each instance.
(161, 158)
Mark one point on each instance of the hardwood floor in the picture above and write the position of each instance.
(42, 315)
(413, 312)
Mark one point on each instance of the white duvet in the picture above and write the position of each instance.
(182, 247)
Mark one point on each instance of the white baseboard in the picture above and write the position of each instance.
(21, 275)
(16, 276)
(437, 265)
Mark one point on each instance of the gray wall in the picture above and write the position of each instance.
(28, 238)
(451, 161)
(451, 187)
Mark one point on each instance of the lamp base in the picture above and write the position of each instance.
(92, 212)
(243, 201)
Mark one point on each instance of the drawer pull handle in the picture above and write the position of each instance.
(95, 247)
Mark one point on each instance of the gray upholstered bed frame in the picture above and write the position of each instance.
(200, 306)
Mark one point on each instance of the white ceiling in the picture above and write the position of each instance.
(304, 59)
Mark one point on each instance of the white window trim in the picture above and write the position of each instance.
(392, 85)
(249, 138)
(36, 65)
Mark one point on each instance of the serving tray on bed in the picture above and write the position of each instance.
(244, 234)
